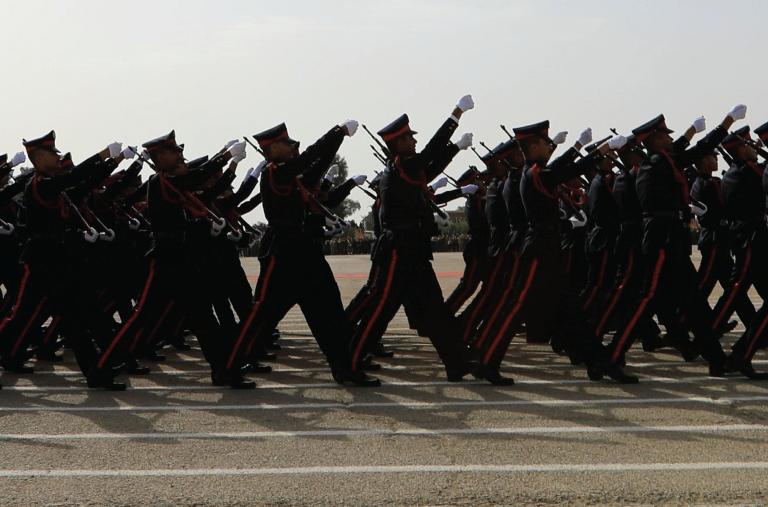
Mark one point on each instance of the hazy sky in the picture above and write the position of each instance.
(98, 71)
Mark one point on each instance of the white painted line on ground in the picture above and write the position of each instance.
(584, 402)
(386, 383)
(390, 469)
(415, 432)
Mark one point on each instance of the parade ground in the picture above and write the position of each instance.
(299, 439)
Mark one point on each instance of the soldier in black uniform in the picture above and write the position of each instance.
(716, 265)
(498, 163)
(603, 216)
(46, 273)
(540, 294)
(476, 260)
(745, 208)
(293, 268)
(406, 276)
(172, 210)
(669, 282)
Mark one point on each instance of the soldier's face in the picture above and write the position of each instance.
(282, 151)
(170, 161)
(746, 153)
(539, 150)
(659, 141)
(45, 161)
(707, 165)
(405, 145)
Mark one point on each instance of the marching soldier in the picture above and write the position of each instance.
(293, 268)
(669, 280)
(406, 276)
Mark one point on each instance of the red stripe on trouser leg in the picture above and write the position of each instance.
(355, 314)
(244, 330)
(32, 319)
(500, 303)
(481, 303)
(375, 315)
(19, 297)
(708, 269)
(641, 308)
(619, 291)
(160, 321)
(468, 282)
(734, 290)
(136, 312)
(515, 310)
(753, 341)
(598, 282)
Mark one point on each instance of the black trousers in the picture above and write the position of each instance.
(476, 266)
(295, 276)
(669, 288)
(46, 286)
(406, 278)
(543, 300)
(171, 291)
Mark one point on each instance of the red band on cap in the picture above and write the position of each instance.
(397, 133)
(269, 141)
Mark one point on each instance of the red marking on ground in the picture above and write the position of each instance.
(357, 276)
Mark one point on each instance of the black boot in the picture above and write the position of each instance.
(101, 380)
(378, 350)
(492, 375)
(744, 366)
(233, 381)
(458, 372)
(616, 373)
(255, 367)
(359, 379)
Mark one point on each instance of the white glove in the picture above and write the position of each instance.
(255, 172)
(145, 155)
(333, 171)
(351, 126)
(128, 153)
(617, 142)
(230, 143)
(466, 103)
(26, 170)
(585, 137)
(469, 189)
(560, 137)
(579, 220)
(237, 151)
(465, 141)
(359, 179)
(442, 222)
(115, 149)
(19, 158)
(439, 184)
(700, 124)
(698, 208)
(738, 112)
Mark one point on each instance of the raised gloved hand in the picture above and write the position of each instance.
(585, 137)
(465, 141)
(699, 124)
(115, 149)
(128, 153)
(698, 208)
(560, 137)
(351, 127)
(440, 183)
(18, 158)
(617, 142)
(230, 143)
(359, 179)
(333, 171)
(466, 103)
(237, 151)
(255, 172)
(739, 112)
(578, 220)
(469, 189)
